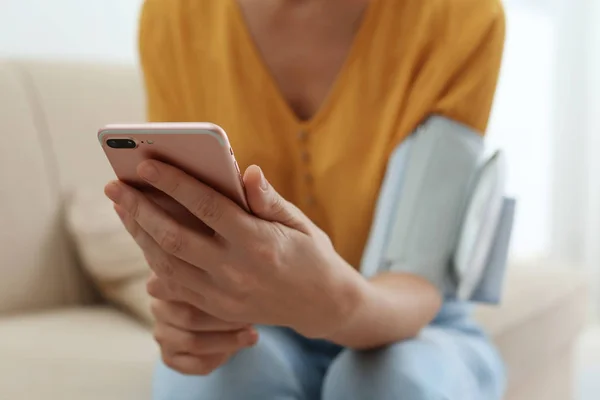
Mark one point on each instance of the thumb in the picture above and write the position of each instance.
(267, 204)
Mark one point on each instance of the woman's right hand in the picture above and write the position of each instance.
(193, 342)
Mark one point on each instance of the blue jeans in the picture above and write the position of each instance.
(450, 360)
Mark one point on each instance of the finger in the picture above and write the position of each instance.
(130, 225)
(178, 212)
(217, 211)
(203, 343)
(172, 237)
(164, 265)
(169, 290)
(188, 317)
(193, 365)
(269, 205)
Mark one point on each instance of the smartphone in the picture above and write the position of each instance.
(201, 150)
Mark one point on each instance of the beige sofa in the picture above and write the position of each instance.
(59, 341)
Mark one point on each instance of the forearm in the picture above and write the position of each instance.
(392, 307)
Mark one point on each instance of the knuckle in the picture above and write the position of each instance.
(326, 239)
(242, 285)
(171, 239)
(163, 267)
(236, 277)
(204, 370)
(170, 362)
(134, 208)
(155, 307)
(233, 309)
(190, 341)
(154, 287)
(266, 253)
(197, 366)
(277, 206)
(188, 316)
(218, 360)
(320, 235)
(280, 209)
(204, 367)
(158, 336)
(173, 186)
(131, 225)
(239, 299)
(209, 366)
(172, 287)
(206, 206)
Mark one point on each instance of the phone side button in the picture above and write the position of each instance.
(237, 168)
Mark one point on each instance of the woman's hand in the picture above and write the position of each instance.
(275, 268)
(193, 342)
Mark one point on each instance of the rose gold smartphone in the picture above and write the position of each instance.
(201, 150)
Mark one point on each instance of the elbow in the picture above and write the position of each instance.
(419, 308)
(430, 305)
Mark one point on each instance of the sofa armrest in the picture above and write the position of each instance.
(544, 310)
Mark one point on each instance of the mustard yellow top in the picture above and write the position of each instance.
(409, 59)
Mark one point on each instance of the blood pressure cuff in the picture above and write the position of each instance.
(442, 214)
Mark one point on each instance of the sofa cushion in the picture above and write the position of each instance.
(36, 265)
(107, 252)
(73, 354)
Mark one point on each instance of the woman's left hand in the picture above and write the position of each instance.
(274, 267)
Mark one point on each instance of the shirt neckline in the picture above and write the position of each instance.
(360, 39)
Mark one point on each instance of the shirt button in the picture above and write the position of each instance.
(309, 200)
(302, 134)
(308, 178)
(305, 156)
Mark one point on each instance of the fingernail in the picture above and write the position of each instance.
(247, 337)
(264, 185)
(148, 171)
(113, 191)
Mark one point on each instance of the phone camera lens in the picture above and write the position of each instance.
(121, 143)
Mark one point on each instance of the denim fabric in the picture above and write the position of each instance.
(451, 359)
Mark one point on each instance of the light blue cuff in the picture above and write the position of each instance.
(418, 216)
(490, 286)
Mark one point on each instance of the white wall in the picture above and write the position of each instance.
(521, 122)
(592, 253)
(73, 29)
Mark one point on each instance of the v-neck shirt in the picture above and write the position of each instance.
(410, 59)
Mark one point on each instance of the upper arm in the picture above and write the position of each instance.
(471, 48)
(428, 180)
(421, 204)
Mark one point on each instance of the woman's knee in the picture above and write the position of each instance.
(396, 372)
(256, 373)
(419, 369)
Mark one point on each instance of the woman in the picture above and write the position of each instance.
(319, 94)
